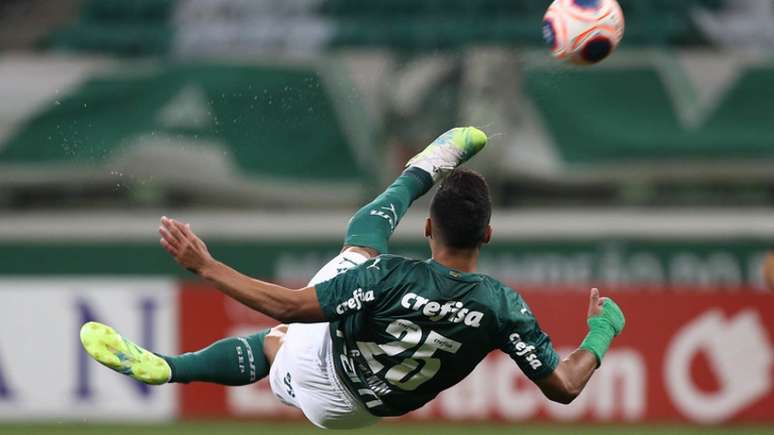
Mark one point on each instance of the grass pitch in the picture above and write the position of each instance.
(245, 428)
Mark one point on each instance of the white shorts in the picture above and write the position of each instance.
(303, 374)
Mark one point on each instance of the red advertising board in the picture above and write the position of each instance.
(693, 357)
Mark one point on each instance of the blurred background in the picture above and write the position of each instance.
(267, 123)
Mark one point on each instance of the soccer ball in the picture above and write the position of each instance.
(583, 31)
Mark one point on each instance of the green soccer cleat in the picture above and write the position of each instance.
(112, 350)
(450, 150)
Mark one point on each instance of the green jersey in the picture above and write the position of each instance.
(404, 330)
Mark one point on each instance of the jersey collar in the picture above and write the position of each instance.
(451, 273)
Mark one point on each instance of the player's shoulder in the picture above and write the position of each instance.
(495, 284)
(502, 296)
(386, 269)
(388, 262)
(394, 260)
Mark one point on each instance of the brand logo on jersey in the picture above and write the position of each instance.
(451, 311)
(525, 351)
(387, 213)
(355, 303)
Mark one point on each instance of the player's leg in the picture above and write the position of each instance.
(371, 226)
(230, 361)
(274, 341)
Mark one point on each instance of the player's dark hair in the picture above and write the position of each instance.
(461, 209)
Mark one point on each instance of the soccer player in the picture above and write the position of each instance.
(377, 335)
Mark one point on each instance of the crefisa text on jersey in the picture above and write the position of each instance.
(451, 311)
(526, 351)
(356, 301)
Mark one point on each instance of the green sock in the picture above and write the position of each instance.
(372, 225)
(230, 361)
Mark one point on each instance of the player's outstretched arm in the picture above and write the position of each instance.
(278, 302)
(605, 321)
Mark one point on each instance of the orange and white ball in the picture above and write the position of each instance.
(583, 31)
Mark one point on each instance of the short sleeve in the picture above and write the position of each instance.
(349, 292)
(524, 341)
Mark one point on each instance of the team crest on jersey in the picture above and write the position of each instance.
(451, 311)
(355, 303)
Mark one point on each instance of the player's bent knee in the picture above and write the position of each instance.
(273, 342)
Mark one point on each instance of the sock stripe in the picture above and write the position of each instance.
(250, 358)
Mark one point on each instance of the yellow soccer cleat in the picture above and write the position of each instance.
(112, 350)
(449, 150)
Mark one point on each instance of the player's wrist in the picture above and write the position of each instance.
(599, 338)
(601, 325)
(208, 269)
(603, 328)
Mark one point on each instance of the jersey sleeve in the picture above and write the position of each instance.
(523, 340)
(351, 291)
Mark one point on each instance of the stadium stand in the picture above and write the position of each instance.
(705, 144)
(240, 124)
(611, 129)
(24, 23)
(139, 27)
(407, 24)
(146, 27)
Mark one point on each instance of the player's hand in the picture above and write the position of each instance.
(606, 311)
(595, 303)
(185, 247)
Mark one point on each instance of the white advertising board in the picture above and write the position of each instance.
(44, 372)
